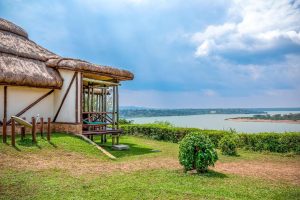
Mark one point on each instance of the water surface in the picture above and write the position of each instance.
(218, 122)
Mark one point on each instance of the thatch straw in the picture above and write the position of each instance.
(10, 27)
(20, 46)
(27, 72)
(24, 63)
(83, 66)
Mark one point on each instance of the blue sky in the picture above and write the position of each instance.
(184, 54)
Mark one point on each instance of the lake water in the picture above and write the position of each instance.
(218, 122)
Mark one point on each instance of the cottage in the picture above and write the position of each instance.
(78, 96)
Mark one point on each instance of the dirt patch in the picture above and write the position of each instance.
(289, 172)
(77, 164)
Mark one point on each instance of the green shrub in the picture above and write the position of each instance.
(196, 151)
(228, 145)
(273, 142)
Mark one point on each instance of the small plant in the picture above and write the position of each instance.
(196, 151)
(228, 145)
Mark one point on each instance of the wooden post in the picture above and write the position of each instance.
(33, 131)
(118, 108)
(42, 126)
(114, 107)
(48, 128)
(105, 106)
(83, 99)
(92, 101)
(76, 101)
(4, 135)
(88, 99)
(102, 104)
(13, 132)
(88, 103)
(97, 103)
(23, 130)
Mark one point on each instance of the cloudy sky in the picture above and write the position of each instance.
(187, 54)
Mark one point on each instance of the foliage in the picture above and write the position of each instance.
(228, 145)
(196, 151)
(290, 116)
(183, 112)
(125, 121)
(273, 142)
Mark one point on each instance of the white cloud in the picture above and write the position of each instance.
(205, 48)
(251, 25)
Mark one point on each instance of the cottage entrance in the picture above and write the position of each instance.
(100, 109)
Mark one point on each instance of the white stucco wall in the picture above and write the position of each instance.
(19, 98)
(67, 112)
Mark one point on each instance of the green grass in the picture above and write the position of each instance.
(59, 142)
(56, 183)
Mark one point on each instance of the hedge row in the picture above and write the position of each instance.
(273, 142)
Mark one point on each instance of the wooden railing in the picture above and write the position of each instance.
(108, 118)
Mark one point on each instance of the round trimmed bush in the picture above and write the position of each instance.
(196, 151)
(228, 145)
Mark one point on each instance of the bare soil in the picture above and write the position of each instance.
(77, 165)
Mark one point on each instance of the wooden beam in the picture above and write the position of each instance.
(97, 146)
(32, 104)
(5, 102)
(92, 101)
(101, 82)
(82, 101)
(33, 131)
(42, 127)
(13, 132)
(4, 135)
(88, 99)
(76, 102)
(114, 107)
(48, 128)
(65, 96)
(118, 108)
(97, 103)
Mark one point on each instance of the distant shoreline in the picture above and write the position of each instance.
(264, 120)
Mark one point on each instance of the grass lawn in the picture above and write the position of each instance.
(70, 168)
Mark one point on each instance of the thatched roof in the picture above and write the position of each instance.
(83, 66)
(10, 27)
(27, 72)
(25, 63)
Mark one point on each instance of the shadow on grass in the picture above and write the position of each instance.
(214, 174)
(208, 174)
(134, 150)
(26, 142)
(52, 144)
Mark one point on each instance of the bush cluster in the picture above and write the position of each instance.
(196, 151)
(228, 145)
(273, 142)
